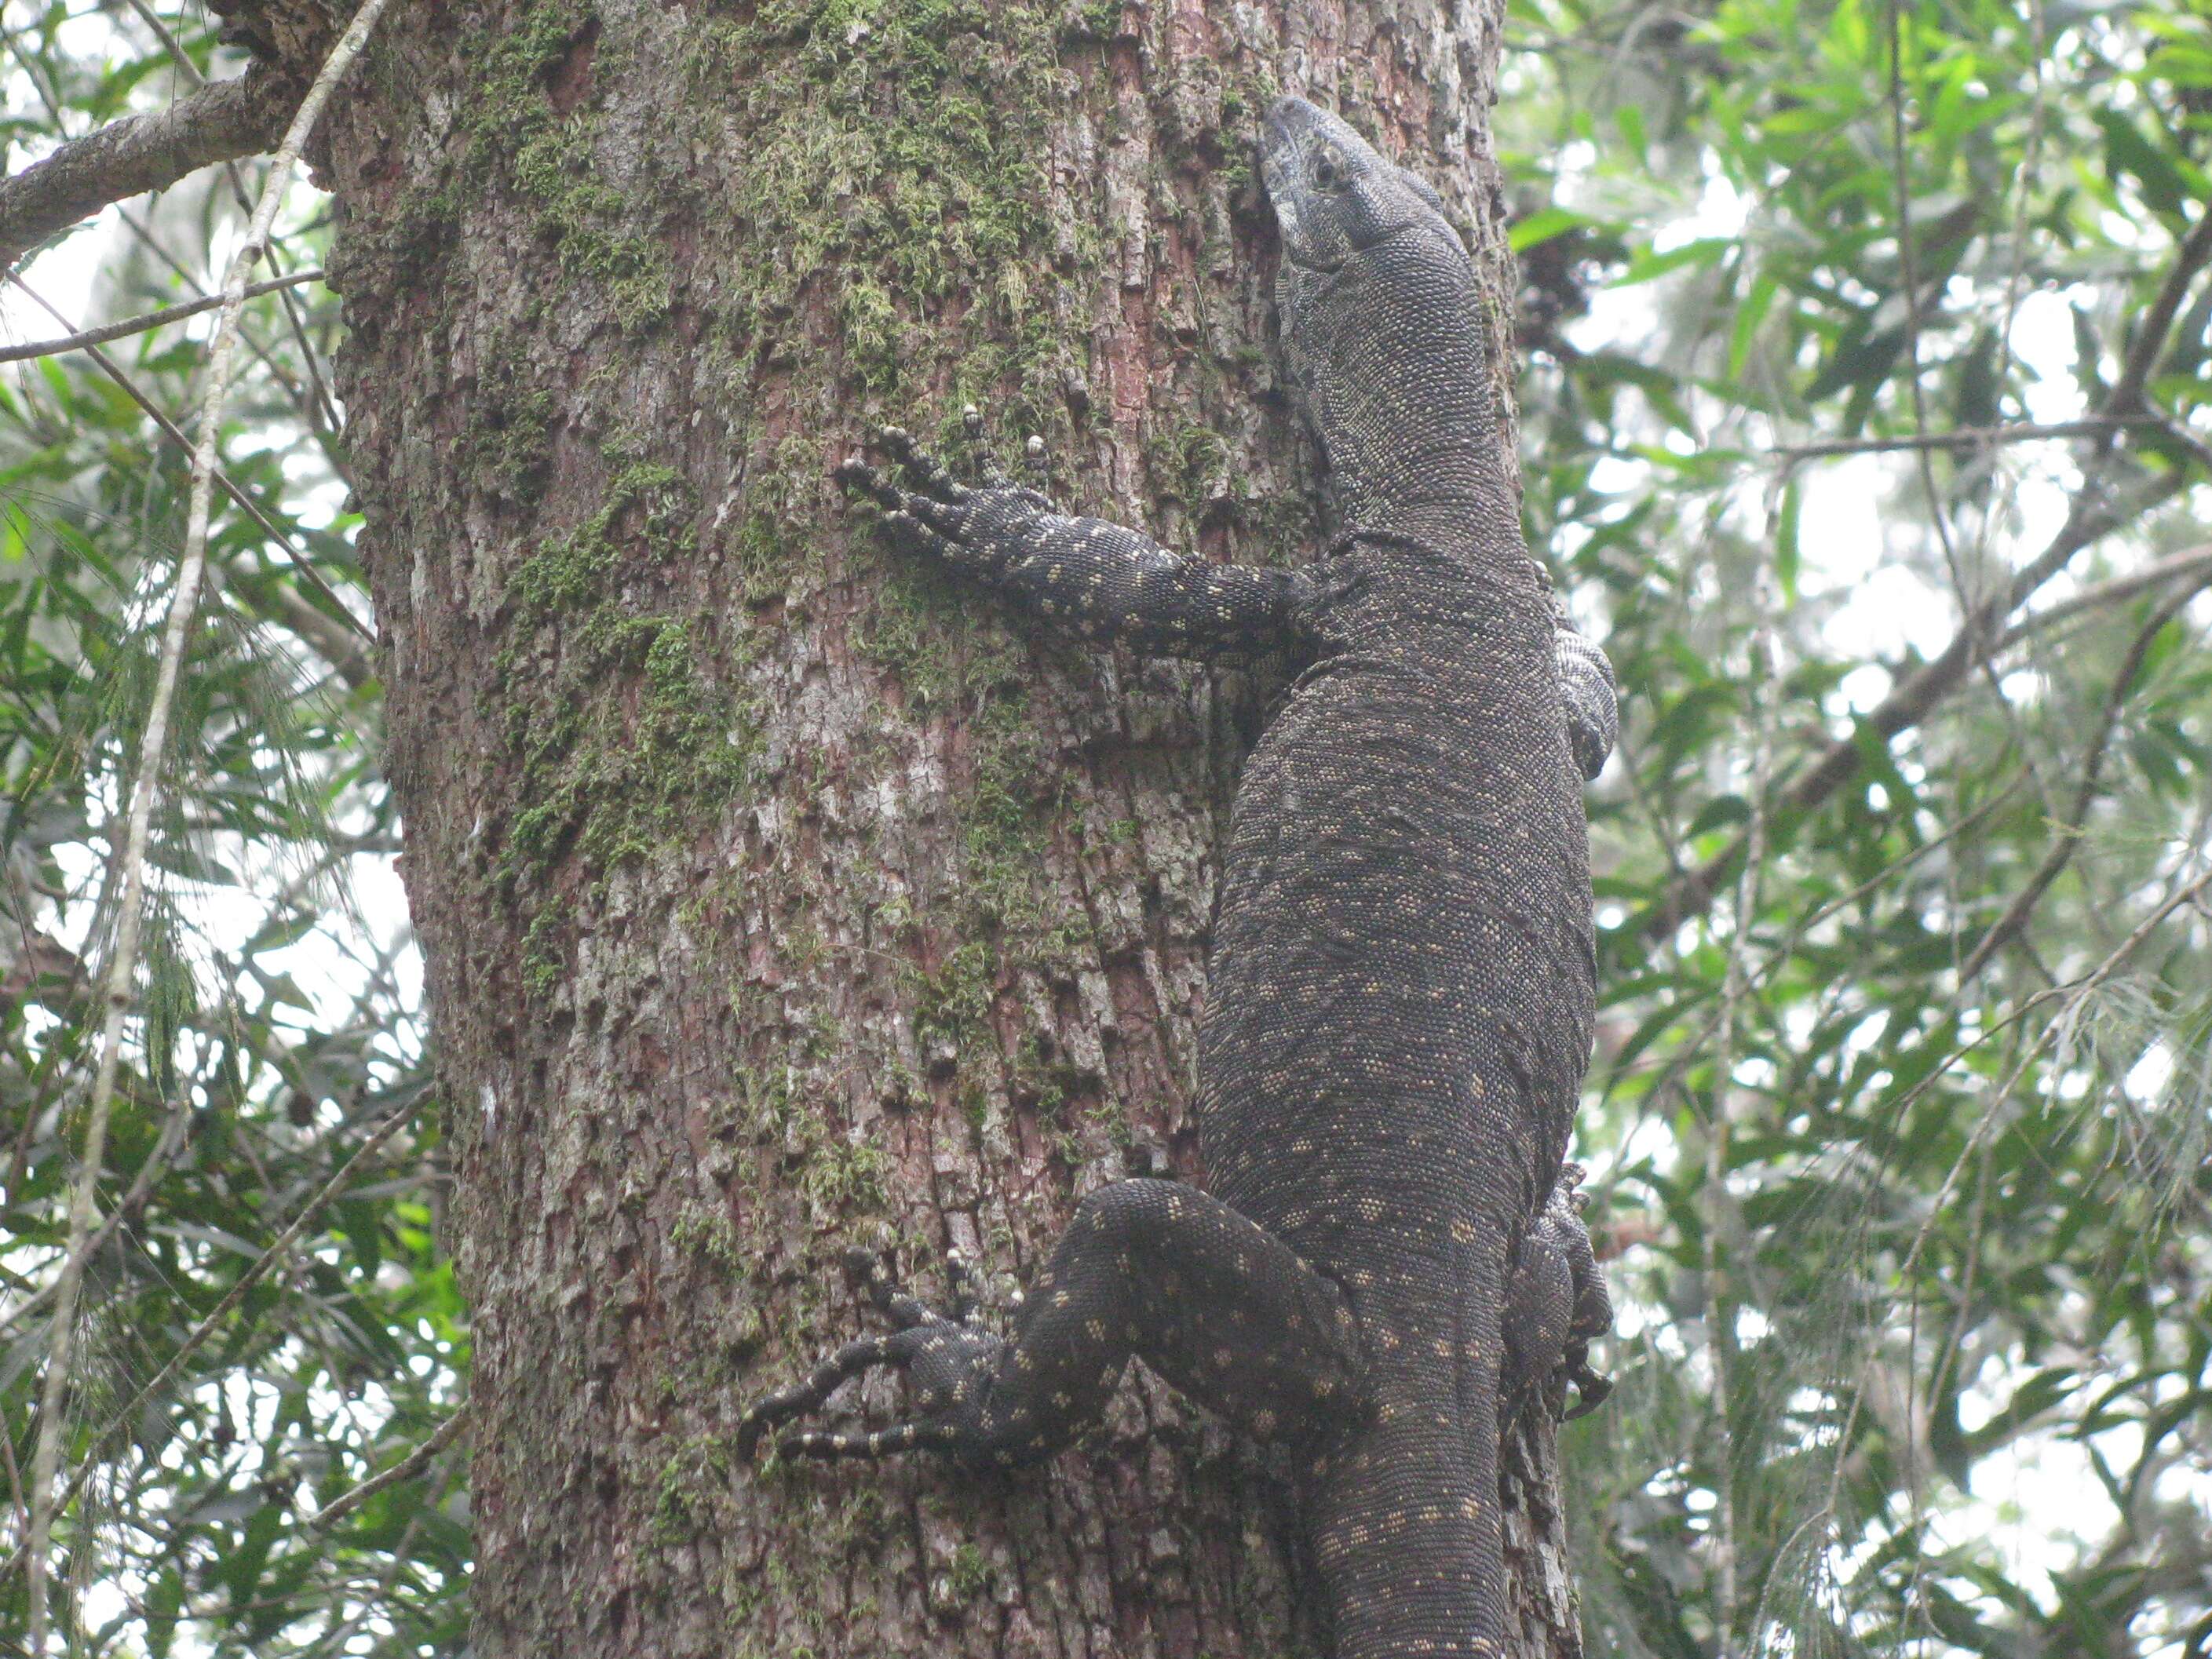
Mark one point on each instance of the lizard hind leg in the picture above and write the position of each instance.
(1218, 1306)
(1555, 1302)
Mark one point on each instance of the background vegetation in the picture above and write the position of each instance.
(1898, 1123)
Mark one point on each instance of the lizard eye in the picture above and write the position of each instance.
(1325, 174)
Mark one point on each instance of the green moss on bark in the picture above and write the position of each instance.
(551, 155)
(602, 778)
(898, 218)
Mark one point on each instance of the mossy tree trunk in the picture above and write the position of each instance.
(779, 895)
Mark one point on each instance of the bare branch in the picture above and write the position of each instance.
(406, 1469)
(229, 118)
(152, 319)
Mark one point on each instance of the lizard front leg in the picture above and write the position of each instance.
(1103, 581)
(1587, 688)
(1218, 1306)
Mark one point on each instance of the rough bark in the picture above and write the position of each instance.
(779, 895)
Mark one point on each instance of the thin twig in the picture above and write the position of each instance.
(2068, 835)
(268, 360)
(15, 1483)
(1966, 437)
(406, 1469)
(1970, 604)
(191, 569)
(2196, 560)
(1720, 1301)
(170, 44)
(152, 319)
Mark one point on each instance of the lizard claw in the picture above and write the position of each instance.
(948, 1363)
(1593, 1387)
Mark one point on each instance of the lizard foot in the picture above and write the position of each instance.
(977, 527)
(948, 1358)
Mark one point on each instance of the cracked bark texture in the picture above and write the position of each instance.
(777, 895)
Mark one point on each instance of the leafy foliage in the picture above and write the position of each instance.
(1900, 1107)
(278, 1014)
(1904, 1129)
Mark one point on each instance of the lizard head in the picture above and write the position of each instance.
(1381, 325)
(1337, 200)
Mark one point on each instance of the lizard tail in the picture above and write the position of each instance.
(1407, 1530)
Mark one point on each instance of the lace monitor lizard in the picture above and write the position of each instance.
(1400, 994)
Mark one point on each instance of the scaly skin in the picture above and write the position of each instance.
(1402, 989)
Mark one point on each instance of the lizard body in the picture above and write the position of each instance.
(1400, 994)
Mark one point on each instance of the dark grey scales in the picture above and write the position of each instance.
(1401, 991)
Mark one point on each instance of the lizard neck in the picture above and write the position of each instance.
(1396, 380)
(1440, 592)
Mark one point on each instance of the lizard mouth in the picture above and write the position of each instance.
(1296, 245)
(1324, 267)
(1281, 129)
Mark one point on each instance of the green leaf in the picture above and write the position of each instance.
(1702, 252)
(2128, 153)
(1788, 556)
(1542, 227)
(1749, 313)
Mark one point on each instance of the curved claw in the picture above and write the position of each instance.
(1593, 1387)
(849, 1361)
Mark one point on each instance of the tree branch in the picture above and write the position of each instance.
(152, 319)
(229, 118)
(406, 1469)
(1967, 437)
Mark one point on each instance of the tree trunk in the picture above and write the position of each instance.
(778, 895)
